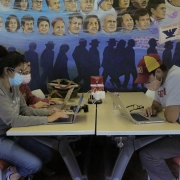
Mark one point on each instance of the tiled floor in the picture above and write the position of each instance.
(96, 168)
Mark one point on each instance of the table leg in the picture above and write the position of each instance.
(69, 159)
(122, 160)
(62, 145)
(132, 144)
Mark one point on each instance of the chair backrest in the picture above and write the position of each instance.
(150, 94)
(38, 93)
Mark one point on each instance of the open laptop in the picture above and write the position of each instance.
(135, 117)
(66, 99)
(71, 117)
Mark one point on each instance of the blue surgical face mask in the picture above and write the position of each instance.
(17, 80)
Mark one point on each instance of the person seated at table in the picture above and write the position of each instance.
(32, 100)
(166, 84)
(27, 154)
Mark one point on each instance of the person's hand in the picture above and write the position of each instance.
(56, 115)
(54, 102)
(41, 104)
(150, 111)
(53, 110)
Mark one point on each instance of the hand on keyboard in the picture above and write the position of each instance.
(56, 115)
(150, 112)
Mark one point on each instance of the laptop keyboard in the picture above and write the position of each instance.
(139, 117)
(69, 119)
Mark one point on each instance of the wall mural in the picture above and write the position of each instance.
(76, 39)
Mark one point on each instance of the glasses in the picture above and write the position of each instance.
(38, 2)
(135, 107)
(70, 1)
(89, 1)
(19, 71)
(108, 1)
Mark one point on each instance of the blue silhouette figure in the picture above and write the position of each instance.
(176, 59)
(152, 46)
(32, 57)
(167, 54)
(117, 65)
(11, 49)
(60, 66)
(129, 64)
(46, 62)
(108, 55)
(94, 58)
(81, 58)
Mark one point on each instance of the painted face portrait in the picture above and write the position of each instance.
(12, 23)
(43, 27)
(93, 25)
(37, 5)
(127, 23)
(70, 5)
(87, 6)
(5, 4)
(110, 24)
(139, 3)
(59, 28)
(54, 5)
(175, 3)
(144, 22)
(23, 5)
(28, 26)
(123, 4)
(106, 5)
(75, 25)
(159, 12)
(1, 22)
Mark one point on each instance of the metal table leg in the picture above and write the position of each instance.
(68, 157)
(123, 159)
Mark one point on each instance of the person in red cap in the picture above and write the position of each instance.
(166, 84)
(58, 26)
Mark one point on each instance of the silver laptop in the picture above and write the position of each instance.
(136, 117)
(66, 99)
(71, 117)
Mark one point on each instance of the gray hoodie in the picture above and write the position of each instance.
(15, 113)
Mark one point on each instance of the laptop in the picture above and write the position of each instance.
(136, 117)
(66, 99)
(71, 117)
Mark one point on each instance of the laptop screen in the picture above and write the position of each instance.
(66, 99)
(78, 106)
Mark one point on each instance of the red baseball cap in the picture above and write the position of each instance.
(56, 19)
(146, 65)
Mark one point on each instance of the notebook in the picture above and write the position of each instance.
(66, 99)
(136, 117)
(71, 117)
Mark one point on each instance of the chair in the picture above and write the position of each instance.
(3, 165)
(177, 161)
(38, 93)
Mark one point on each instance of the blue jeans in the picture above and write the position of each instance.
(153, 157)
(28, 155)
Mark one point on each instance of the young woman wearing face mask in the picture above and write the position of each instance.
(31, 100)
(27, 155)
